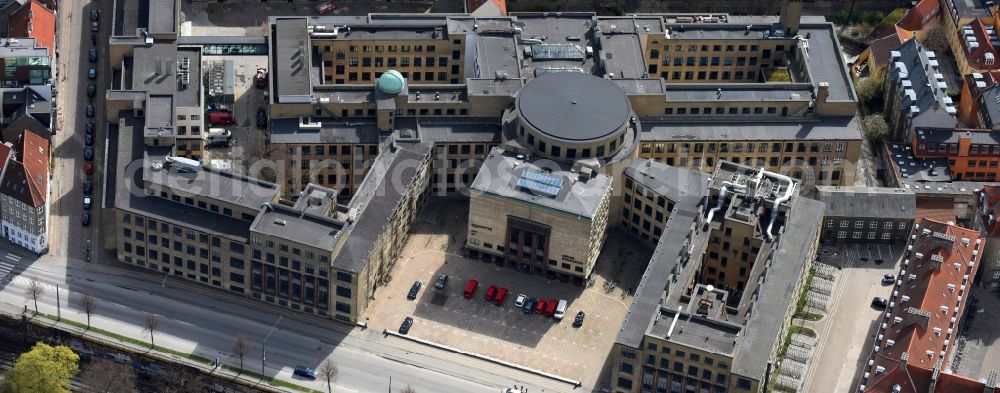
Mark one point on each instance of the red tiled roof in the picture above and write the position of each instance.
(472, 5)
(26, 178)
(920, 14)
(34, 20)
(915, 379)
(937, 209)
(924, 324)
(977, 56)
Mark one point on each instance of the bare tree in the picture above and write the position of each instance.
(241, 347)
(328, 371)
(106, 376)
(35, 289)
(89, 304)
(152, 321)
(408, 389)
(936, 39)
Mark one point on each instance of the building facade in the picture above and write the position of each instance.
(866, 214)
(694, 339)
(24, 189)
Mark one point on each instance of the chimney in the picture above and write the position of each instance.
(902, 360)
(791, 11)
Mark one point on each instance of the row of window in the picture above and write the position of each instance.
(758, 110)
(739, 147)
(404, 61)
(416, 76)
(387, 48)
(953, 148)
(858, 234)
(873, 224)
(655, 53)
(708, 75)
(323, 150)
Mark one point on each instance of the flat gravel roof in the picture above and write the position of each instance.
(573, 106)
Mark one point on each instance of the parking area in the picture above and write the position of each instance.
(247, 140)
(505, 332)
(844, 335)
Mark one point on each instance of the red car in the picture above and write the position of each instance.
(490, 292)
(470, 288)
(540, 307)
(221, 118)
(550, 307)
(325, 8)
(501, 294)
(88, 168)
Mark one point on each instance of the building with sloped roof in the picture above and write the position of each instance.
(915, 92)
(928, 301)
(24, 194)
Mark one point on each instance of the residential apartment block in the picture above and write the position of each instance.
(926, 308)
(915, 92)
(24, 193)
(687, 329)
(866, 214)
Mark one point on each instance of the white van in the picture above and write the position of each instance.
(560, 310)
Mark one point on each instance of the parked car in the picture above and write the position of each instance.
(305, 372)
(441, 281)
(261, 117)
(470, 288)
(550, 307)
(91, 89)
(93, 55)
(405, 327)
(213, 107)
(95, 18)
(221, 118)
(88, 127)
(88, 188)
(880, 303)
(560, 310)
(92, 73)
(888, 279)
(490, 292)
(519, 302)
(85, 219)
(414, 289)
(578, 321)
(88, 168)
(540, 306)
(90, 110)
(88, 139)
(529, 306)
(501, 294)
(86, 203)
(88, 153)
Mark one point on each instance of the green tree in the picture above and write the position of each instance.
(875, 127)
(45, 369)
(869, 88)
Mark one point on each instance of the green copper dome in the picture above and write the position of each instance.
(391, 82)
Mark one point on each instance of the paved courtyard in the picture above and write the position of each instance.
(247, 143)
(505, 332)
(978, 351)
(845, 333)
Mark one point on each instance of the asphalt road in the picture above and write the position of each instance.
(198, 323)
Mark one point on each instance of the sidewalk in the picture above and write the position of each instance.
(159, 354)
